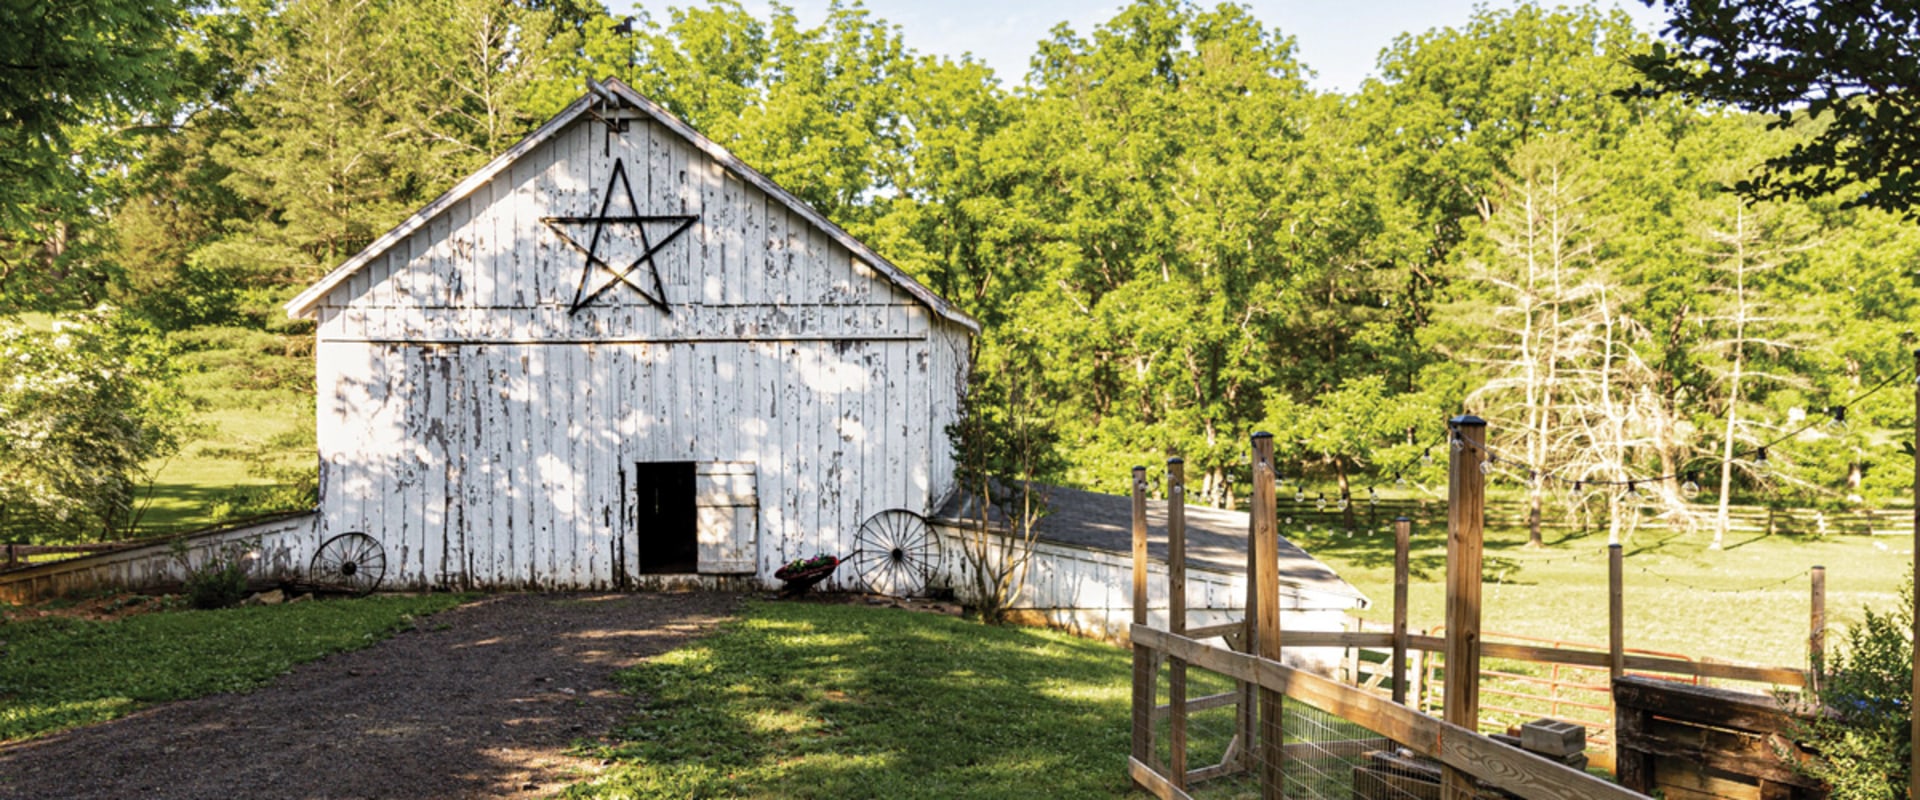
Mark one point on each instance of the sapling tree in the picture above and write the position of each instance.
(1004, 456)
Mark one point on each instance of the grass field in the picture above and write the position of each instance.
(251, 431)
(62, 672)
(1748, 602)
(803, 701)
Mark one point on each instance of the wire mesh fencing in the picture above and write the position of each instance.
(1323, 756)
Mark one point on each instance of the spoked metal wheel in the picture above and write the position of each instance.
(895, 553)
(351, 562)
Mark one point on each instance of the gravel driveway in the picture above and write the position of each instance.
(483, 700)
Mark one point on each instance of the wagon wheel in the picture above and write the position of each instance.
(895, 553)
(351, 562)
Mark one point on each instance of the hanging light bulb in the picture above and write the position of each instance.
(1691, 488)
(1760, 465)
(1400, 481)
(1426, 457)
(1320, 503)
(1839, 415)
(1458, 443)
(1373, 496)
(1288, 520)
(1578, 485)
(1486, 465)
(1299, 494)
(1633, 491)
(1345, 501)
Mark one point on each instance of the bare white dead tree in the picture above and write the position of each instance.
(1744, 244)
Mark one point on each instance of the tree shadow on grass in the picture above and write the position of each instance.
(803, 700)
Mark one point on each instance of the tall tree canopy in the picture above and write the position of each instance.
(1172, 237)
(1850, 69)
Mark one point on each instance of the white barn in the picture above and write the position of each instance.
(617, 356)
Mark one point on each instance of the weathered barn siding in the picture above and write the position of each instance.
(486, 434)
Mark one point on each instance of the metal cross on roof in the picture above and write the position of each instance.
(596, 264)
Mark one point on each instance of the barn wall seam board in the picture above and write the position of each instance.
(486, 393)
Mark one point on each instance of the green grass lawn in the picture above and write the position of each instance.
(801, 700)
(1748, 602)
(251, 426)
(58, 673)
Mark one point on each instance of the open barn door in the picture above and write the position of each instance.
(728, 511)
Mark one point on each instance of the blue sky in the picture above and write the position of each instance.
(1339, 41)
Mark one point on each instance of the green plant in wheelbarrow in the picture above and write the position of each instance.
(801, 574)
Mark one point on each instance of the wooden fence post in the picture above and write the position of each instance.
(1817, 628)
(1265, 532)
(1145, 692)
(1616, 613)
(1402, 545)
(1466, 511)
(1177, 617)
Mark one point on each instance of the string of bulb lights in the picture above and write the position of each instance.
(1722, 590)
(1835, 416)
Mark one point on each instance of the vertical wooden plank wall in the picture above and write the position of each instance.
(486, 435)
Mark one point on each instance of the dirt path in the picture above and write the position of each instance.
(483, 700)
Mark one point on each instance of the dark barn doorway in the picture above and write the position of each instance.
(666, 520)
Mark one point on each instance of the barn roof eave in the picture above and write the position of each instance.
(303, 305)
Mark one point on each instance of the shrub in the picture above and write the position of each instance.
(1863, 743)
(86, 403)
(221, 580)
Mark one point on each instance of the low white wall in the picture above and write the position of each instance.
(1090, 592)
(286, 544)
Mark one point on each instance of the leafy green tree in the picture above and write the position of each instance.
(1848, 68)
(1163, 181)
(71, 64)
(1354, 429)
(1453, 104)
(85, 401)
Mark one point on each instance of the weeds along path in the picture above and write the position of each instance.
(484, 700)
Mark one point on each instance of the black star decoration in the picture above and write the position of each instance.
(655, 294)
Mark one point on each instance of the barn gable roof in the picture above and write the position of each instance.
(616, 92)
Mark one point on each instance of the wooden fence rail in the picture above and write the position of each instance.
(1467, 759)
(1486, 760)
